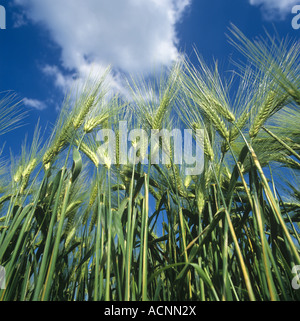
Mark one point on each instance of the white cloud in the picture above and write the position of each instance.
(131, 35)
(275, 9)
(34, 103)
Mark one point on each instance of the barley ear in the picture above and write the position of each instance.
(78, 121)
(94, 122)
(217, 121)
(18, 174)
(200, 199)
(222, 109)
(26, 174)
(158, 118)
(295, 94)
(208, 150)
(70, 236)
(272, 104)
(59, 142)
(235, 130)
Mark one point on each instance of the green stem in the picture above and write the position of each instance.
(109, 240)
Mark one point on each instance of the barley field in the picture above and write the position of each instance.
(77, 224)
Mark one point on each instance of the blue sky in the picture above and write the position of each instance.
(49, 43)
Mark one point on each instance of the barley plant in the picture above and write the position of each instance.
(77, 223)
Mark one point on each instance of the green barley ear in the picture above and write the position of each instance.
(26, 174)
(222, 109)
(18, 174)
(208, 150)
(271, 105)
(95, 215)
(70, 236)
(84, 110)
(53, 151)
(208, 178)
(262, 115)
(239, 125)
(94, 122)
(177, 181)
(168, 97)
(212, 115)
(93, 196)
(187, 181)
(218, 123)
(159, 116)
(235, 130)
(200, 199)
(295, 94)
(59, 142)
(30, 167)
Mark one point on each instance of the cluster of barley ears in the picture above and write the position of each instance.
(74, 225)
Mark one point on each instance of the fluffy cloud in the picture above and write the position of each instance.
(275, 9)
(130, 35)
(34, 103)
